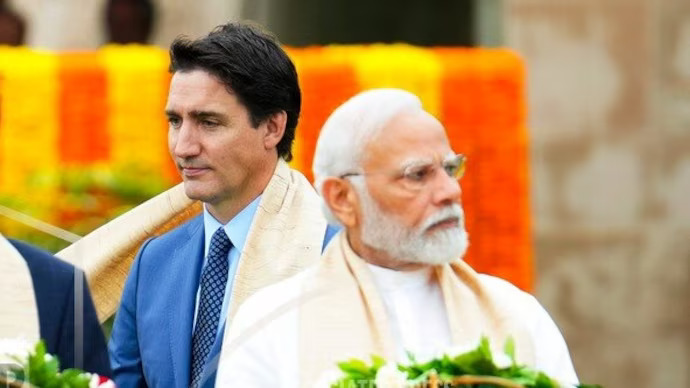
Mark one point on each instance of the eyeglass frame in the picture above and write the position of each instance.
(406, 172)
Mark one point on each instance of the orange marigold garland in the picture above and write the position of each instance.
(83, 111)
(400, 66)
(459, 115)
(483, 110)
(325, 84)
(137, 90)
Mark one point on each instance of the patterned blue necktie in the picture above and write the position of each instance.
(213, 280)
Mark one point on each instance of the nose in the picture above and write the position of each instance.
(184, 142)
(446, 189)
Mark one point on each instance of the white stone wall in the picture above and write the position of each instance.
(609, 115)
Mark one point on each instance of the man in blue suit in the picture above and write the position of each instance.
(232, 109)
(54, 288)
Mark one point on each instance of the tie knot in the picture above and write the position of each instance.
(220, 243)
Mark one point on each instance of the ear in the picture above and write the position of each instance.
(340, 197)
(275, 129)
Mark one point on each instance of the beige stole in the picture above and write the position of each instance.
(106, 254)
(344, 315)
(286, 235)
(19, 310)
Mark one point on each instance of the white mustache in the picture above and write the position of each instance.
(449, 212)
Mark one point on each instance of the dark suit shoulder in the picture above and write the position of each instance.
(43, 265)
(54, 288)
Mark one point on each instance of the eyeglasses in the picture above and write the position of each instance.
(416, 175)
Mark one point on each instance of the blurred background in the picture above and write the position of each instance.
(608, 114)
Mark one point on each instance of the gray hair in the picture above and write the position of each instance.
(350, 127)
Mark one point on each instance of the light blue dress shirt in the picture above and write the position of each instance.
(237, 230)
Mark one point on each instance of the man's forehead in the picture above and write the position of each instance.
(197, 81)
(409, 137)
(198, 91)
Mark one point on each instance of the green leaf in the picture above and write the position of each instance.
(377, 361)
(509, 349)
(41, 369)
(475, 362)
(352, 365)
(356, 371)
(543, 381)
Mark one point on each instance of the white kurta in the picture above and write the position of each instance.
(416, 311)
(266, 353)
(19, 323)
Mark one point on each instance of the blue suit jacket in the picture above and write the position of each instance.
(53, 282)
(150, 345)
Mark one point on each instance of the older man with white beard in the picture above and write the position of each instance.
(393, 280)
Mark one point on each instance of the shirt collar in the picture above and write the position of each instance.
(390, 279)
(237, 228)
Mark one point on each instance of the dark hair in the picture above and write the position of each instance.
(253, 66)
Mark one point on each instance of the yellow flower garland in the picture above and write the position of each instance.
(29, 155)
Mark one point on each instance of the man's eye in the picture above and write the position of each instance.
(174, 122)
(418, 174)
(209, 124)
(451, 168)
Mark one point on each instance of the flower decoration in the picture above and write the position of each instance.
(38, 368)
(474, 368)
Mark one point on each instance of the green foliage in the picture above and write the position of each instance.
(357, 371)
(78, 200)
(477, 362)
(41, 369)
(509, 349)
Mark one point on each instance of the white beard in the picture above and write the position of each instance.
(384, 232)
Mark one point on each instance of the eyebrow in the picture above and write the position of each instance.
(207, 114)
(199, 114)
(416, 161)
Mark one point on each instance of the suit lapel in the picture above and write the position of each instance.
(186, 267)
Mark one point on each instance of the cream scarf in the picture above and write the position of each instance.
(19, 310)
(343, 315)
(286, 234)
(106, 254)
